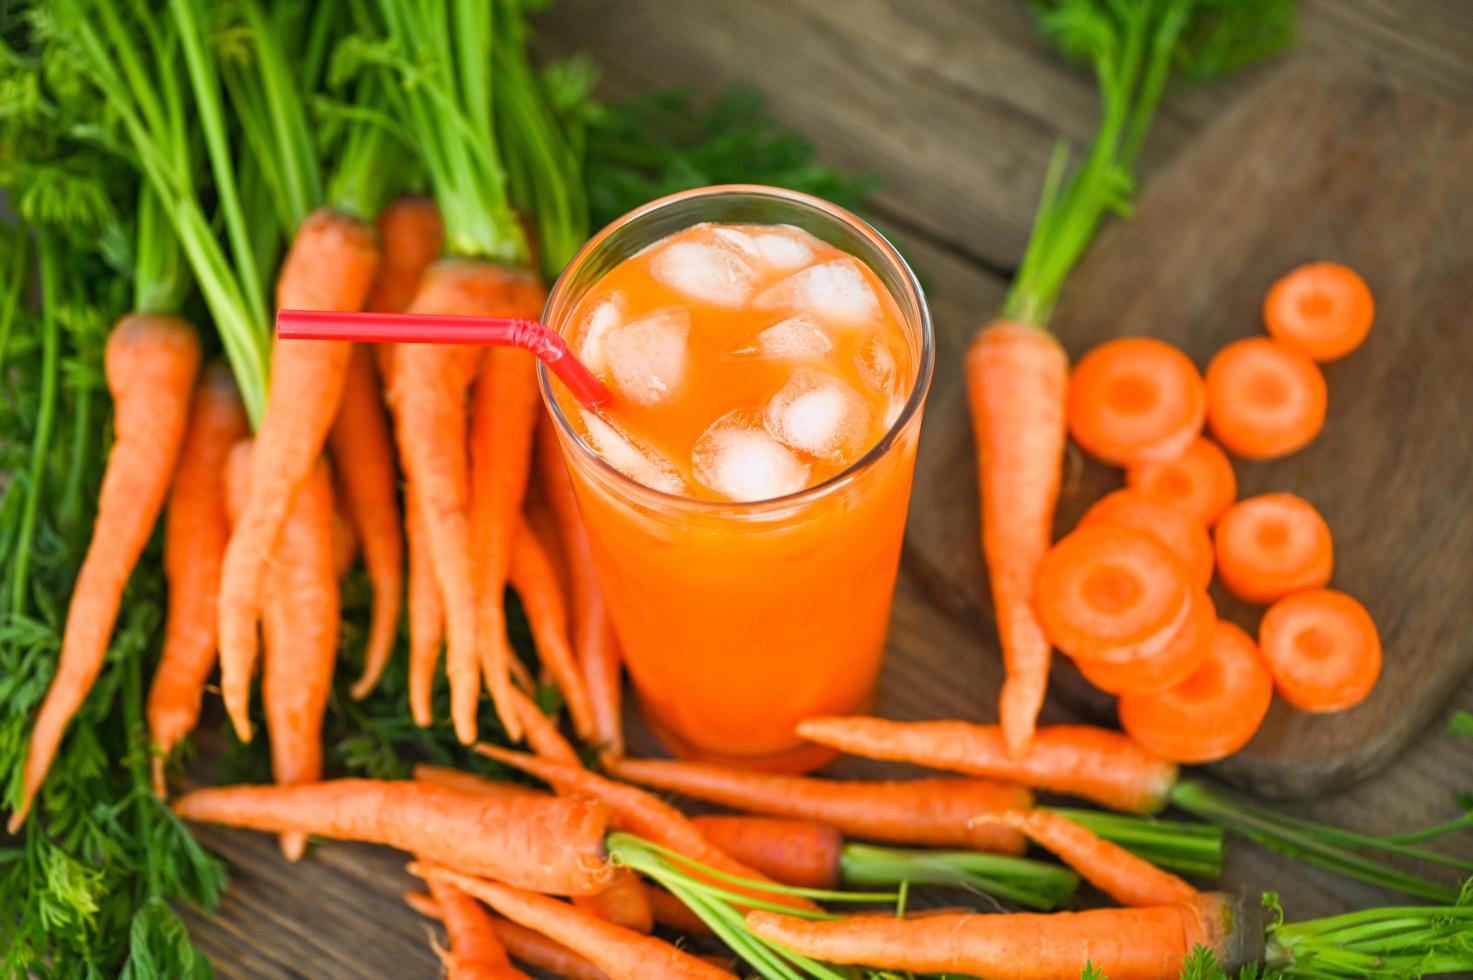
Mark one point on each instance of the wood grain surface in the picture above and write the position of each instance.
(955, 106)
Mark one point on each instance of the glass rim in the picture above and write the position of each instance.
(925, 367)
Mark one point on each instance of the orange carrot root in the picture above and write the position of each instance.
(475, 951)
(535, 579)
(794, 852)
(468, 782)
(410, 234)
(624, 902)
(151, 363)
(426, 615)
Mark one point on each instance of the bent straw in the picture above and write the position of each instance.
(420, 328)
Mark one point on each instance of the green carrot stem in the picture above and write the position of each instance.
(78, 461)
(1031, 884)
(160, 276)
(45, 419)
(15, 280)
(1463, 822)
(1187, 848)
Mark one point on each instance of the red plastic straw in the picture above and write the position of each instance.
(419, 328)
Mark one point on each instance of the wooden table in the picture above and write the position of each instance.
(955, 106)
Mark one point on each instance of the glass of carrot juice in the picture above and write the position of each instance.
(745, 491)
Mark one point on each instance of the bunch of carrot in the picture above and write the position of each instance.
(1125, 594)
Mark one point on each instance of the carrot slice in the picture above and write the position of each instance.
(1175, 663)
(1111, 592)
(1135, 400)
(1322, 648)
(1264, 400)
(1323, 310)
(1185, 538)
(1211, 714)
(1271, 545)
(1200, 481)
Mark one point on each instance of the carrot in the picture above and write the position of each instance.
(594, 643)
(1111, 592)
(1271, 545)
(426, 614)
(1127, 879)
(151, 362)
(410, 234)
(503, 415)
(475, 952)
(1212, 713)
(624, 902)
(794, 852)
(1017, 378)
(330, 266)
(1183, 536)
(300, 631)
(931, 812)
(540, 731)
(1323, 310)
(1123, 944)
(635, 811)
(468, 782)
(671, 913)
(1200, 481)
(1077, 760)
(552, 845)
(363, 459)
(1136, 400)
(344, 539)
(1172, 665)
(525, 945)
(535, 578)
(1322, 648)
(1264, 400)
(619, 952)
(428, 396)
(195, 531)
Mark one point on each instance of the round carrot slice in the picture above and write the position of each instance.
(1322, 648)
(1263, 399)
(1174, 664)
(1111, 592)
(1322, 310)
(1271, 545)
(1135, 400)
(1211, 714)
(1200, 481)
(1186, 538)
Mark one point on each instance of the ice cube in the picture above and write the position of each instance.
(705, 270)
(820, 415)
(836, 292)
(736, 458)
(797, 336)
(876, 364)
(629, 456)
(782, 251)
(646, 359)
(603, 318)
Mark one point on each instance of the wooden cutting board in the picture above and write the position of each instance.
(1309, 166)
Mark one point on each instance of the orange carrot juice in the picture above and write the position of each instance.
(745, 491)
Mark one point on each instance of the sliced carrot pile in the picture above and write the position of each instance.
(1135, 400)
(1271, 545)
(1138, 509)
(1172, 665)
(1264, 399)
(1214, 712)
(1322, 648)
(1200, 481)
(1111, 592)
(1323, 310)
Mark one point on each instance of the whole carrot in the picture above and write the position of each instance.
(525, 945)
(541, 734)
(410, 234)
(1017, 378)
(475, 951)
(1112, 869)
(426, 614)
(544, 843)
(363, 459)
(621, 953)
(195, 531)
(934, 812)
(1094, 763)
(535, 578)
(1122, 944)
(151, 362)
(635, 811)
(594, 643)
(330, 266)
(794, 852)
